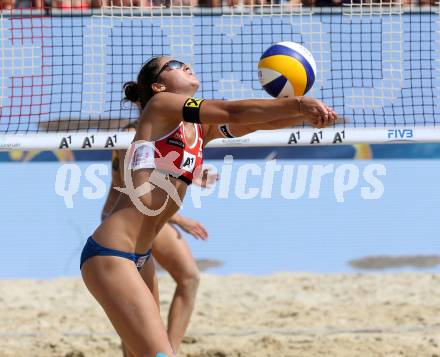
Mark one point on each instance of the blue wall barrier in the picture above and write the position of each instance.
(299, 228)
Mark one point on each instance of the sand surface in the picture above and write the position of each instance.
(285, 314)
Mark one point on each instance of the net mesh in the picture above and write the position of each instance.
(63, 70)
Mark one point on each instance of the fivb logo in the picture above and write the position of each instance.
(400, 134)
(143, 154)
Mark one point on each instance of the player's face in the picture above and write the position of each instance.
(177, 76)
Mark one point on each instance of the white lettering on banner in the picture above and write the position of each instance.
(380, 86)
(374, 63)
(95, 37)
(181, 38)
(17, 58)
(436, 72)
(385, 73)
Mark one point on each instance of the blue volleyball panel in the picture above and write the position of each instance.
(276, 86)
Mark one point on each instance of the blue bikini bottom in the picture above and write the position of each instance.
(92, 248)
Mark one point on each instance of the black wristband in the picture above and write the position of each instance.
(191, 110)
(224, 129)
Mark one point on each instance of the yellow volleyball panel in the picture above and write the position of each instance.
(290, 68)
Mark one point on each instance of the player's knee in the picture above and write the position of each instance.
(190, 281)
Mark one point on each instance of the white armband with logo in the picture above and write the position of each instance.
(143, 157)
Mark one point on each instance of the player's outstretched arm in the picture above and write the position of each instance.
(237, 130)
(177, 108)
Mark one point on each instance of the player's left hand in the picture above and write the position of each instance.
(325, 120)
(194, 228)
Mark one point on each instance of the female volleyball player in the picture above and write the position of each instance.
(171, 251)
(172, 131)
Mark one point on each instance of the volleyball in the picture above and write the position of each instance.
(287, 69)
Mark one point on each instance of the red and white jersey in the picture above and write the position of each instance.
(171, 154)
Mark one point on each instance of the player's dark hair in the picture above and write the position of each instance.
(141, 90)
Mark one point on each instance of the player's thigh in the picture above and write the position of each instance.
(126, 299)
(148, 274)
(174, 255)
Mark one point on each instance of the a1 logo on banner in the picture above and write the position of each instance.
(188, 161)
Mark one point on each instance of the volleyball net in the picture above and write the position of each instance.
(62, 71)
